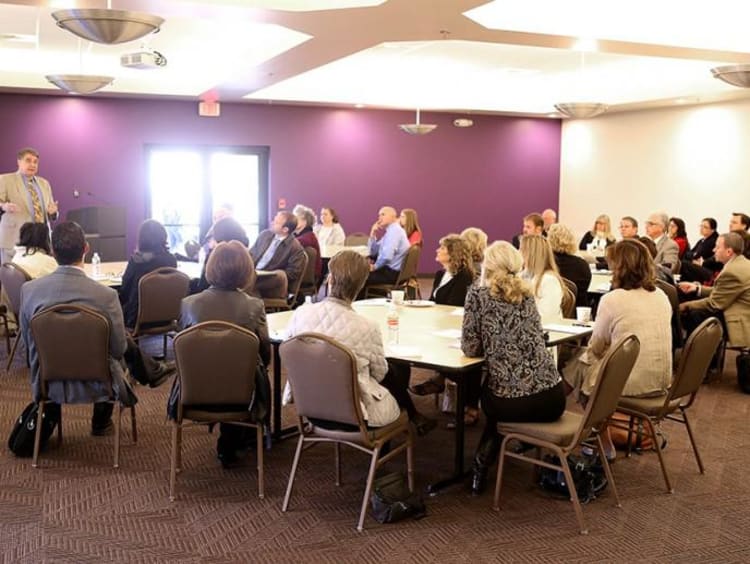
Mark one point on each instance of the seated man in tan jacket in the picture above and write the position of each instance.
(728, 298)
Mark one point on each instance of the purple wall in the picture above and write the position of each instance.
(488, 176)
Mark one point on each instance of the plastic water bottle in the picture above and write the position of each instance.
(308, 300)
(96, 265)
(392, 320)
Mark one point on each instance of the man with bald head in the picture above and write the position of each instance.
(550, 217)
(390, 250)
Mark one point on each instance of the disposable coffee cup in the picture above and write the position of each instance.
(397, 297)
(583, 314)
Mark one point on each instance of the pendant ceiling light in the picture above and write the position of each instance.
(417, 128)
(581, 110)
(106, 25)
(79, 83)
(736, 75)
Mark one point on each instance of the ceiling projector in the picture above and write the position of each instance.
(143, 60)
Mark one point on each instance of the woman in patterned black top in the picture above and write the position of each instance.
(501, 323)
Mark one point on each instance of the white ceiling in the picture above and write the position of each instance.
(502, 56)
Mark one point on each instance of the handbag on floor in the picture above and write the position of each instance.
(21, 440)
(392, 501)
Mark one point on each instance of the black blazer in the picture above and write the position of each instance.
(576, 270)
(454, 292)
(703, 249)
(289, 255)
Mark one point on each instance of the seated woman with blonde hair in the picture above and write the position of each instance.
(501, 323)
(541, 272)
(600, 235)
(476, 239)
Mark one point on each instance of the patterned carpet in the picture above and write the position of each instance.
(77, 508)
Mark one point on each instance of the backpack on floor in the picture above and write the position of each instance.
(21, 440)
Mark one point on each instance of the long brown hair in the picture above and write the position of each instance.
(632, 265)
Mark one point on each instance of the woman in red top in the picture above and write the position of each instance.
(408, 220)
(678, 234)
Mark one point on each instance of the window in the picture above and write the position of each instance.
(187, 185)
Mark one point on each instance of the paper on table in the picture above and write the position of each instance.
(459, 311)
(403, 351)
(448, 333)
(280, 335)
(562, 328)
(371, 302)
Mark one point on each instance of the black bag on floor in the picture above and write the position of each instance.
(21, 440)
(588, 477)
(392, 501)
(743, 371)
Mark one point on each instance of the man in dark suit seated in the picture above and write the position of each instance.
(70, 285)
(277, 250)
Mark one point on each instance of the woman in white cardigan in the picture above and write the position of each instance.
(329, 230)
(541, 271)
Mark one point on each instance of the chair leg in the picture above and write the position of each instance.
(692, 442)
(573, 493)
(292, 474)
(607, 469)
(179, 449)
(38, 435)
(133, 427)
(657, 447)
(118, 421)
(499, 479)
(12, 353)
(629, 441)
(410, 459)
(337, 462)
(368, 487)
(173, 459)
(259, 454)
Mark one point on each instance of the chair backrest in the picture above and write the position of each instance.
(323, 376)
(356, 239)
(695, 358)
(160, 294)
(294, 288)
(568, 303)
(570, 285)
(72, 344)
(308, 279)
(12, 277)
(216, 363)
(674, 301)
(610, 380)
(409, 268)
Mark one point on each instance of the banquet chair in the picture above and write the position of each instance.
(216, 364)
(12, 277)
(356, 239)
(72, 344)
(572, 429)
(308, 284)
(568, 303)
(285, 304)
(676, 323)
(407, 274)
(160, 293)
(693, 365)
(323, 377)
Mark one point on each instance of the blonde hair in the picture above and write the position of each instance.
(411, 223)
(500, 273)
(604, 218)
(458, 254)
(476, 240)
(561, 239)
(538, 257)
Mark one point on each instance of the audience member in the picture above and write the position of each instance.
(729, 298)
(476, 241)
(628, 227)
(229, 269)
(739, 221)
(678, 234)
(383, 387)
(408, 220)
(667, 251)
(329, 230)
(574, 268)
(451, 283)
(533, 224)
(501, 323)
(599, 237)
(152, 253)
(633, 306)
(33, 252)
(541, 272)
(276, 249)
(660, 271)
(549, 216)
(306, 237)
(390, 251)
(704, 248)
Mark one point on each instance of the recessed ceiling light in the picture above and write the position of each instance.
(680, 101)
(359, 105)
(586, 44)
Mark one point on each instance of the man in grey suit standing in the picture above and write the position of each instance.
(24, 197)
(667, 251)
(70, 285)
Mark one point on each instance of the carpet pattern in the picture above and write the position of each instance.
(77, 508)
